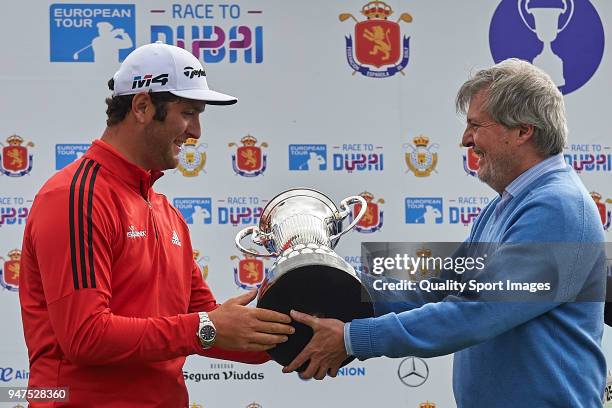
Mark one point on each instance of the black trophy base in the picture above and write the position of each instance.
(324, 291)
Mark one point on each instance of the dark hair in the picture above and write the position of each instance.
(117, 107)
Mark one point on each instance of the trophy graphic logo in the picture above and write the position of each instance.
(545, 25)
(300, 229)
(377, 42)
(564, 38)
(248, 159)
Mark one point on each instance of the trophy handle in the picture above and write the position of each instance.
(345, 211)
(256, 239)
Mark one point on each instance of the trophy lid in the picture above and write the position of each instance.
(281, 199)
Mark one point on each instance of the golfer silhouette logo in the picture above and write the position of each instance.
(107, 44)
(200, 215)
(424, 210)
(85, 33)
(315, 162)
(431, 215)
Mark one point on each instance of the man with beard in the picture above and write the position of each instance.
(112, 300)
(541, 350)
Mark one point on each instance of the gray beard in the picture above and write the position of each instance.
(497, 174)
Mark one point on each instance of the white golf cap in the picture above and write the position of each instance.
(160, 67)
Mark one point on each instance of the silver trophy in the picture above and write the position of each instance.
(300, 228)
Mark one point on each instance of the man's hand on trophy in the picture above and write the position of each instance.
(325, 350)
(240, 327)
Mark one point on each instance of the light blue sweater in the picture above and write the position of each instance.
(507, 354)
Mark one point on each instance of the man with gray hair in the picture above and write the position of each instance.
(545, 352)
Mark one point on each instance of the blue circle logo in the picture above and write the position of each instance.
(565, 38)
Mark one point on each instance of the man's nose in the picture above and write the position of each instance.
(468, 139)
(194, 129)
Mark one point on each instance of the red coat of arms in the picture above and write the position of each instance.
(249, 160)
(16, 161)
(9, 273)
(378, 41)
(249, 273)
(372, 220)
(14, 158)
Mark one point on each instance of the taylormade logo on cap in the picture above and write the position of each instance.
(160, 67)
(190, 72)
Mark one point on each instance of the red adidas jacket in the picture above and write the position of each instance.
(109, 289)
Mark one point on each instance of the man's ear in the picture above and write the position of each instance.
(142, 107)
(525, 133)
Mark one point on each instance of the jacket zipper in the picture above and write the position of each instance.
(150, 212)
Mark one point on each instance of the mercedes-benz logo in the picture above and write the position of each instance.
(413, 371)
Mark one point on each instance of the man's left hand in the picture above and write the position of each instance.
(325, 350)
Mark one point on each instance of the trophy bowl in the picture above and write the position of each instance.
(300, 228)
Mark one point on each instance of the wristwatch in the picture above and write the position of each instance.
(206, 331)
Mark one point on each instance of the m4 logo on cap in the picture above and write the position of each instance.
(190, 72)
(147, 80)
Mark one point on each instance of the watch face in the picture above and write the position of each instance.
(207, 333)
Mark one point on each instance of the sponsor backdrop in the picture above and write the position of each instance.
(349, 97)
